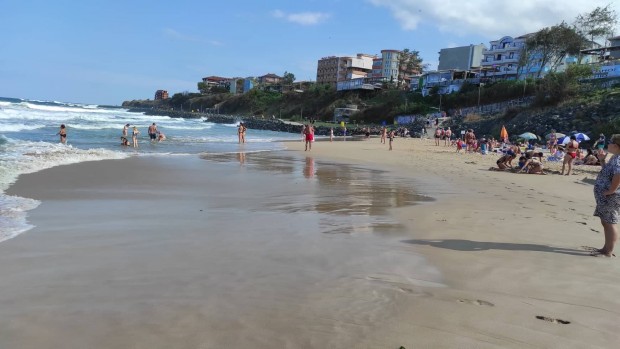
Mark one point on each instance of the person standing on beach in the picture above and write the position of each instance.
(391, 136)
(153, 132)
(607, 198)
(303, 133)
(447, 138)
(125, 130)
(383, 134)
(134, 136)
(331, 134)
(63, 134)
(241, 132)
(571, 154)
(437, 135)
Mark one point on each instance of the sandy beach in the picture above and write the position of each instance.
(347, 245)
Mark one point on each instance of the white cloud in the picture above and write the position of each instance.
(175, 35)
(303, 18)
(489, 18)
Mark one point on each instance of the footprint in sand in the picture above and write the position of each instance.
(476, 302)
(594, 230)
(584, 223)
(552, 320)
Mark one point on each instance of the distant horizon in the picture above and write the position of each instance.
(108, 53)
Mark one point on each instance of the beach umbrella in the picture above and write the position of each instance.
(528, 136)
(503, 134)
(558, 135)
(581, 137)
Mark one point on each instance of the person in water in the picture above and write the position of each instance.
(63, 134)
(134, 136)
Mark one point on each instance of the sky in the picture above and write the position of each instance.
(106, 52)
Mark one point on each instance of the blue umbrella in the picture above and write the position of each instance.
(528, 136)
(581, 137)
(564, 140)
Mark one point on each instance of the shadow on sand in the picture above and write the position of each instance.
(468, 245)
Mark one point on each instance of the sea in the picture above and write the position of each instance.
(29, 142)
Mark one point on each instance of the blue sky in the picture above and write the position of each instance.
(105, 52)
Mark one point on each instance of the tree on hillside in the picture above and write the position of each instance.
(203, 87)
(598, 24)
(550, 46)
(288, 78)
(409, 63)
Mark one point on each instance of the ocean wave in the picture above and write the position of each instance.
(20, 157)
(199, 127)
(13, 212)
(65, 108)
(18, 127)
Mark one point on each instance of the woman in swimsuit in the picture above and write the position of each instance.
(134, 136)
(571, 154)
(63, 134)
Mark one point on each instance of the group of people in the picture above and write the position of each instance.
(607, 184)
(154, 135)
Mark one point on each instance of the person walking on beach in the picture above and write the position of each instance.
(571, 154)
(153, 132)
(447, 137)
(383, 134)
(607, 197)
(331, 134)
(309, 137)
(134, 136)
(125, 130)
(391, 137)
(63, 134)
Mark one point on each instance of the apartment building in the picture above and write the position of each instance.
(332, 69)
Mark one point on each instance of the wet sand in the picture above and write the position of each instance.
(320, 249)
(260, 251)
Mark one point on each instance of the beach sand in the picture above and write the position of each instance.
(332, 248)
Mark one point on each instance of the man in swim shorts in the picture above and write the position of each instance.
(153, 132)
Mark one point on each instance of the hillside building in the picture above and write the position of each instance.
(332, 69)
(461, 58)
(161, 94)
(268, 79)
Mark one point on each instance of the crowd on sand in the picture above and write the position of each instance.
(531, 157)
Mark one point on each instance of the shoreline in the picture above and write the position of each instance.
(502, 242)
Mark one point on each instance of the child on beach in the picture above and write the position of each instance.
(459, 145)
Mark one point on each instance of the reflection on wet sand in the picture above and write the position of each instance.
(354, 199)
(309, 168)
